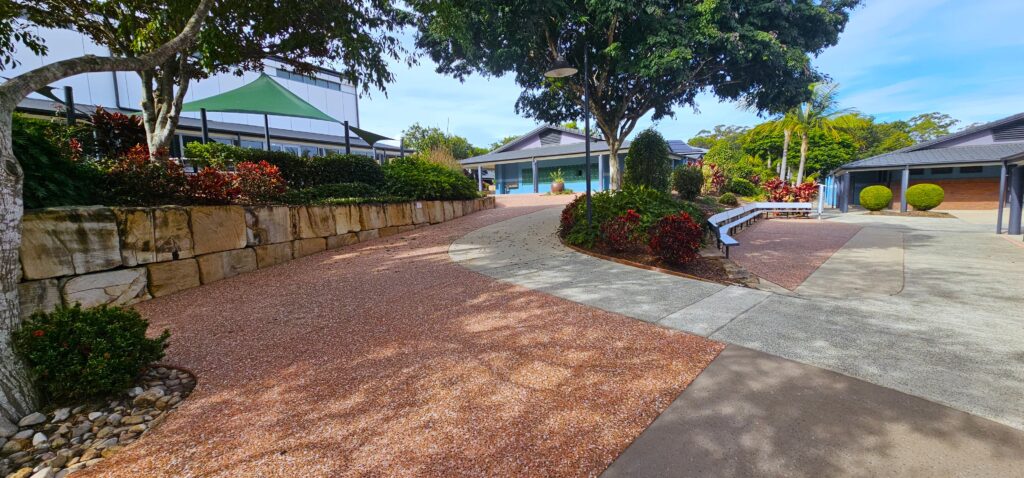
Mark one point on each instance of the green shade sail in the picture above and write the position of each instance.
(370, 138)
(263, 96)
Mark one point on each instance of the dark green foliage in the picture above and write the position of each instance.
(925, 197)
(326, 192)
(687, 181)
(76, 354)
(875, 198)
(51, 177)
(416, 178)
(302, 172)
(648, 163)
(649, 203)
(728, 199)
(217, 155)
(741, 187)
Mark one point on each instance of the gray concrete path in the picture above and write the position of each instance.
(953, 333)
(754, 414)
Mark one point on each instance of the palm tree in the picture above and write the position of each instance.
(787, 124)
(817, 113)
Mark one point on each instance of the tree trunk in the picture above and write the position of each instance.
(614, 171)
(787, 136)
(804, 144)
(17, 397)
(162, 97)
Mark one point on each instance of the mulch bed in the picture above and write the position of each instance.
(912, 213)
(708, 269)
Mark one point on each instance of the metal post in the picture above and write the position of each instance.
(266, 131)
(821, 200)
(479, 178)
(844, 200)
(69, 105)
(204, 126)
(1002, 198)
(348, 141)
(904, 184)
(1016, 199)
(600, 172)
(536, 180)
(401, 147)
(586, 131)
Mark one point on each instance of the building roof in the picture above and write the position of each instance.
(984, 153)
(534, 131)
(933, 153)
(680, 147)
(559, 150)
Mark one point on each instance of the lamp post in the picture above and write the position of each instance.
(561, 69)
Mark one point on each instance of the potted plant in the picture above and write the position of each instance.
(557, 181)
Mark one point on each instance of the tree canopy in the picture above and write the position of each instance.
(645, 56)
(427, 138)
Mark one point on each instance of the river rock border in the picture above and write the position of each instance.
(119, 256)
(61, 442)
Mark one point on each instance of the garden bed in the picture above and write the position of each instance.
(71, 438)
(708, 269)
(912, 214)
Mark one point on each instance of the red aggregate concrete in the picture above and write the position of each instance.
(387, 359)
(788, 251)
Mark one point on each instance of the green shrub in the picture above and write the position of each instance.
(344, 168)
(324, 192)
(925, 196)
(687, 181)
(135, 179)
(728, 199)
(76, 354)
(648, 163)
(420, 179)
(650, 204)
(213, 154)
(741, 187)
(52, 178)
(875, 198)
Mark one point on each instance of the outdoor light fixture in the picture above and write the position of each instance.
(561, 69)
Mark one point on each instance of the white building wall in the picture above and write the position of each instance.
(98, 88)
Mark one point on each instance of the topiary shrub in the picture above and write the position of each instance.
(420, 179)
(924, 197)
(676, 239)
(741, 187)
(875, 198)
(687, 182)
(343, 168)
(76, 354)
(648, 163)
(728, 199)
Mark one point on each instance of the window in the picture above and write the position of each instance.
(942, 170)
(970, 169)
(247, 143)
(916, 172)
(309, 80)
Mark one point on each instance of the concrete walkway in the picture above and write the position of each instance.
(950, 334)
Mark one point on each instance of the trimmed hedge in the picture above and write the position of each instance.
(741, 187)
(728, 199)
(687, 181)
(875, 198)
(412, 177)
(925, 196)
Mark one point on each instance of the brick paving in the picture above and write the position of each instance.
(387, 359)
(787, 251)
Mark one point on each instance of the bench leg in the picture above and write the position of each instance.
(726, 252)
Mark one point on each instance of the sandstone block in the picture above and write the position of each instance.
(153, 234)
(435, 211)
(387, 231)
(346, 219)
(69, 241)
(342, 240)
(169, 277)
(371, 216)
(119, 287)
(273, 254)
(419, 213)
(38, 296)
(449, 210)
(305, 247)
(368, 235)
(312, 221)
(268, 225)
(398, 214)
(221, 265)
(457, 209)
(217, 228)
(406, 228)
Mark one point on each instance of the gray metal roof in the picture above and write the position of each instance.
(574, 149)
(680, 147)
(534, 131)
(965, 132)
(986, 153)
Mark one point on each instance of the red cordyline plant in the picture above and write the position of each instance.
(714, 177)
(622, 233)
(259, 182)
(676, 239)
(782, 191)
(211, 186)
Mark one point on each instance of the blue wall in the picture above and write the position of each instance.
(520, 174)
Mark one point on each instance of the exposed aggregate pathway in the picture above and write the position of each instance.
(386, 358)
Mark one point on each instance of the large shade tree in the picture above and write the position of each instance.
(304, 34)
(17, 396)
(646, 57)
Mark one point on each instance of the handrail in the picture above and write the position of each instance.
(721, 224)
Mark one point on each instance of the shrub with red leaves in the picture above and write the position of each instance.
(782, 191)
(568, 220)
(623, 232)
(676, 239)
(259, 182)
(136, 179)
(210, 186)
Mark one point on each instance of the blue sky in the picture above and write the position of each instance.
(897, 58)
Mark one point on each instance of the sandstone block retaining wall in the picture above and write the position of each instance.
(101, 255)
